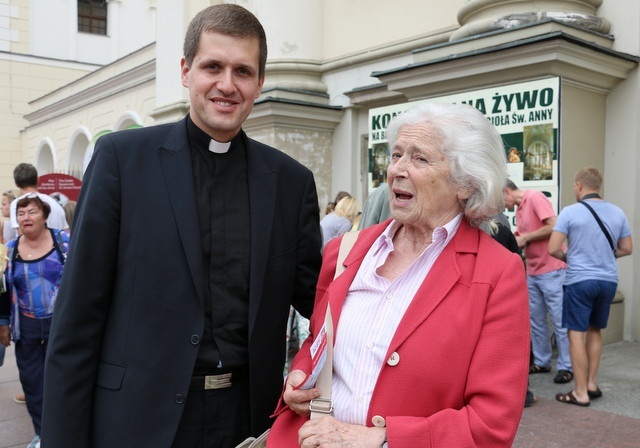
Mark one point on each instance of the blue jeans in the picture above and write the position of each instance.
(545, 297)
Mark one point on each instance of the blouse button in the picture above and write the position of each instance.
(378, 421)
(394, 359)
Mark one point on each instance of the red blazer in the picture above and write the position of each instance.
(462, 348)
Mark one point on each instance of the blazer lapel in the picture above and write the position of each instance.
(262, 198)
(442, 277)
(175, 159)
(339, 288)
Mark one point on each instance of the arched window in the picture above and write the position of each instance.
(78, 147)
(128, 120)
(89, 152)
(45, 162)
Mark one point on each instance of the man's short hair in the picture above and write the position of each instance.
(590, 177)
(25, 175)
(509, 185)
(229, 19)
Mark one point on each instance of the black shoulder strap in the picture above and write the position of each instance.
(604, 230)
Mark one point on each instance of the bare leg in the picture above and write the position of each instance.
(594, 353)
(580, 362)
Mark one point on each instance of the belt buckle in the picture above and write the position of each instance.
(321, 405)
(217, 381)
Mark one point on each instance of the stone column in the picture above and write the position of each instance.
(172, 99)
(293, 112)
(481, 16)
(294, 36)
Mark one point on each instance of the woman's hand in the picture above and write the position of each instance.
(298, 399)
(327, 432)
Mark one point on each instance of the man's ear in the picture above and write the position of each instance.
(260, 85)
(184, 71)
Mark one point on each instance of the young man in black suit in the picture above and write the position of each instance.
(191, 242)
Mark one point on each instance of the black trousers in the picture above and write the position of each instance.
(31, 349)
(217, 418)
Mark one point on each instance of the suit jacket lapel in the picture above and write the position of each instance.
(262, 198)
(175, 159)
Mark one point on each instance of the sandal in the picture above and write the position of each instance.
(594, 393)
(563, 376)
(533, 368)
(569, 398)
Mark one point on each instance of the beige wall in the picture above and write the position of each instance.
(21, 25)
(582, 129)
(354, 25)
(101, 116)
(23, 79)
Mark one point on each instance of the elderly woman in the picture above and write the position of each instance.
(34, 271)
(430, 313)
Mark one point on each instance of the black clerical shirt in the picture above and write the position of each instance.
(222, 196)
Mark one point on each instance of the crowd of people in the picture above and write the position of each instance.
(167, 328)
(35, 242)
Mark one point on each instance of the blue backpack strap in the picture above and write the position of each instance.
(60, 244)
(13, 250)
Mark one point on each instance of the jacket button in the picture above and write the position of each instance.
(179, 398)
(378, 421)
(195, 339)
(394, 359)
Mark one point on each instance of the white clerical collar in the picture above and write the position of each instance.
(219, 148)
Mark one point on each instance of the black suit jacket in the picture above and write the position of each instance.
(129, 313)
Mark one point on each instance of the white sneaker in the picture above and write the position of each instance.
(35, 443)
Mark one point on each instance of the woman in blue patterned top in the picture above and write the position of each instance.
(34, 271)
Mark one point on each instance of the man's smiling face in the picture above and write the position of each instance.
(223, 81)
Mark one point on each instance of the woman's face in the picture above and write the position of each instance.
(30, 219)
(422, 193)
(5, 206)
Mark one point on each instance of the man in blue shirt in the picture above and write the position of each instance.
(597, 232)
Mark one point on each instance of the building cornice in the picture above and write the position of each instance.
(276, 112)
(49, 62)
(556, 53)
(108, 88)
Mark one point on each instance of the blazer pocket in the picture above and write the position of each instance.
(110, 376)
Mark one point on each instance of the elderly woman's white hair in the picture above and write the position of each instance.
(473, 147)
